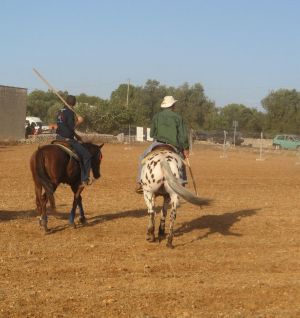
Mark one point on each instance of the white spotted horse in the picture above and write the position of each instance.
(162, 175)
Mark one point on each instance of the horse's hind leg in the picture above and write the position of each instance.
(77, 198)
(174, 204)
(41, 201)
(82, 218)
(163, 215)
(149, 199)
(44, 217)
(38, 198)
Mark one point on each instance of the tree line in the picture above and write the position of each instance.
(136, 105)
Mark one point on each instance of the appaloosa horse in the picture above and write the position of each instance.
(162, 174)
(54, 164)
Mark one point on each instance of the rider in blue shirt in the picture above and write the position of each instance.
(66, 123)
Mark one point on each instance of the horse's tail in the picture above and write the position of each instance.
(43, 177)
(178, 188)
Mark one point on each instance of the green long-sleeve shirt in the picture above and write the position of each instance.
(168, 127)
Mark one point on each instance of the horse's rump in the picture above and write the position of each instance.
(40, 175)
(162, 172)
(153, 177)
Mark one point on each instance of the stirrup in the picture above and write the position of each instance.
(139, 189)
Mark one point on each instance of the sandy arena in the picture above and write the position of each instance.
(240, 257)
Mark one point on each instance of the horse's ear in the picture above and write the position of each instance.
(100, 146)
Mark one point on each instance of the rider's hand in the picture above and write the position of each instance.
(79, 120)
(186, 153)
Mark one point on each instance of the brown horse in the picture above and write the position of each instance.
(50, 165)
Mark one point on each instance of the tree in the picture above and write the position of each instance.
(39, 103)
(283, 111)
(249, 120)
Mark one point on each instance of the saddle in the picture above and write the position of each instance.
(159, 148)
(66, 147)
(164, 147)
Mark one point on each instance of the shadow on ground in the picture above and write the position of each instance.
(215, 223)
(118, 215)
(13, 215)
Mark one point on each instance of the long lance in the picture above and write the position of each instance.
(55, 91)
(190, 168)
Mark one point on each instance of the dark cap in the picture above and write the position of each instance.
(71, 100)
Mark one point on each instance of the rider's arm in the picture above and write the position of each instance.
(183, 137)
(153, 129)
(77, 136)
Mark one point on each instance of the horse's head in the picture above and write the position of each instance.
(96, 158)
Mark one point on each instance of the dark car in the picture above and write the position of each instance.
(218, 137)
(200, 135)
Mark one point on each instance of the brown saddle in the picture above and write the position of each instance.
(164, 147)
(159, 148)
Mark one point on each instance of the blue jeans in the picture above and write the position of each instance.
(84, 155)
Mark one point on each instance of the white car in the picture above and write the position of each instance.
(38, 124)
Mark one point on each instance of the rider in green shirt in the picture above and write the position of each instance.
(167, 128)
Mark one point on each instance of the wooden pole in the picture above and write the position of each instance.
(194, 183)
(54, 90)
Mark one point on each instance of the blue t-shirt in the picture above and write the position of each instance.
(66, 123)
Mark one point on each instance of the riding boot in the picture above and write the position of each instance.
(139, 188)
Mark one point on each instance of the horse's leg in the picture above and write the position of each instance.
(77, 191)
(82, 218)
(174, 204)
(163, 215)
(40, 200)
(149, 199)
(52, 200)
(44, 217)
(38, 195)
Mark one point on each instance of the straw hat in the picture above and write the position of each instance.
(168, 102)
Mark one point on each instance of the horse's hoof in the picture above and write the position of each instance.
(73, 225)
(170, 242)
(161, 232)
(170, 245)
(82, 221)
(150, 238)
(161, 237)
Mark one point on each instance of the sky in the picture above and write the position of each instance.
(238, 50)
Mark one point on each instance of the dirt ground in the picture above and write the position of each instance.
(239, 257)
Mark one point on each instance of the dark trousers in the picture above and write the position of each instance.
(84, 155)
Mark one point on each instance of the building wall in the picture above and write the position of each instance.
(12, 112)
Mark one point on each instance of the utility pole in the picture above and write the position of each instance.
(127, 103)
(235, 124)
(127, 92)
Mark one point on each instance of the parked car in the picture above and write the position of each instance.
(284, 141)
(37, 123)
(200, 135)
(218, 137)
